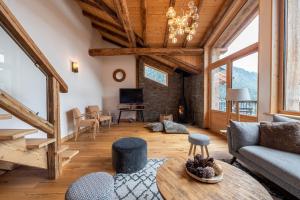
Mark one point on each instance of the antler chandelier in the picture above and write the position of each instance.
(185, 24)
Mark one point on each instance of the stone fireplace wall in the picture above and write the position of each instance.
(158, 98)
(194, 95)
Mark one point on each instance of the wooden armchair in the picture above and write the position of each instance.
(96, 113)
(82, 120)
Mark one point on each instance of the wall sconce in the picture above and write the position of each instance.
(75, 67)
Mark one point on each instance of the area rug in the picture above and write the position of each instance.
(139, 185)
(142, 184)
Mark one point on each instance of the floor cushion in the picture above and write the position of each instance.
(94, 186)
(155, 127)
(172, 127)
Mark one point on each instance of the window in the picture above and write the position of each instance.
(245, 75)
(156, 75)
(218, 88)
(292, 56)
(243, 39)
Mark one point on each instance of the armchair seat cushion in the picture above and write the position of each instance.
(283, 165)
(88, 122)
(103, 118)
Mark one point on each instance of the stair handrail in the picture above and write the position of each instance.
(16, 108)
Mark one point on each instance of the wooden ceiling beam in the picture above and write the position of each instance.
(109, 31)
(103, 6)
(216, 20)
(245, 16)
(145, 51)
(123, 15)
(166, 36)
(184, 65)
(174, 63)
(144, 20)
(102, 21)
(112, 41)
(157, 64)
(185, 41)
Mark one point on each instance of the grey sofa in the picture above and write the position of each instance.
(282, 168)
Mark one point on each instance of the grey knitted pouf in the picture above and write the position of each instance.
(129, 155)
(94, 186)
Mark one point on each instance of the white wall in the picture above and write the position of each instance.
(63, 34)
(111, 87)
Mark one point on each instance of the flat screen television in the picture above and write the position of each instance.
(131, 96)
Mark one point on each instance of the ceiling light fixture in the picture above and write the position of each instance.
(187, 23)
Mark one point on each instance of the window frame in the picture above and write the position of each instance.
(283, 59)
(228, 62)
(210, 88)
(161, 71)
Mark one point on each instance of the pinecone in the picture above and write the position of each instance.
(192, 170)
(209, 164)
(189, 163)
(209, 172)
(198, 157)
(200, 172)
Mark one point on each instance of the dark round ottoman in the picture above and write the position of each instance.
(129, 155)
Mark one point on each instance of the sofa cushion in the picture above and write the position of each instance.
(278, 118)
(243, 134)
(172, 127)
(283, 136)
(283, 165)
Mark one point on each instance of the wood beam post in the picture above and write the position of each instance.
(145, 51)
(166, 37)
(144, 20)
(54, 165)
(103, 6)
(216, 20)
(123, 15)
(102, 21)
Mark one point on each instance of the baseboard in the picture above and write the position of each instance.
(72, 135)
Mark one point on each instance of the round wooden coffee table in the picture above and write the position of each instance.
(174, 183)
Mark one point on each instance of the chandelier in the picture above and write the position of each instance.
(185, 24)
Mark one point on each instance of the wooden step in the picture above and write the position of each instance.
(65, 162)
(2, 172)
(7, 166)
(38, 143)
(12, 134)
(62, 149)
(69, 154)
(5, 116)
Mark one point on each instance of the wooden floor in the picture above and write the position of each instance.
(29, 183)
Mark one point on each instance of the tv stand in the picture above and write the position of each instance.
(138, 108)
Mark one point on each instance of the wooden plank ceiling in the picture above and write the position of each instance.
(133, 24)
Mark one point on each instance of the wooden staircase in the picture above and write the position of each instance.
(15, 149)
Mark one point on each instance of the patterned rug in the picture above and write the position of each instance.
(139, 185)
(142, 184)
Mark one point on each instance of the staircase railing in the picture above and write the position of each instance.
(55, 85)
